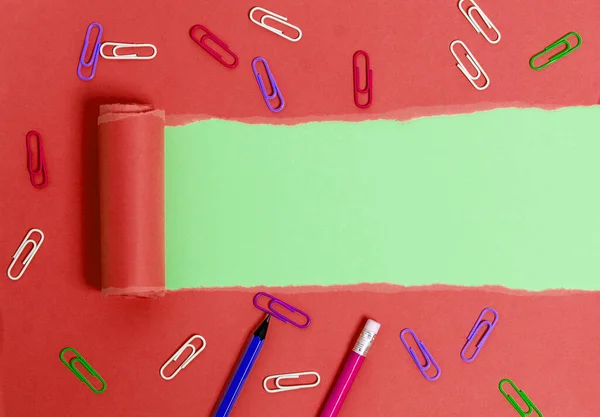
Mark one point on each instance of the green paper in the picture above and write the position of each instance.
(507, 197)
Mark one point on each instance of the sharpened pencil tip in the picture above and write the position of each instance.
(262, 329)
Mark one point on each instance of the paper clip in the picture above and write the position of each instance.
(480, 72)
(116, 46)
(530, 406)
(195, 352)
(41, 169)
(278, 18)
(93, 62)
(35, 246)
(428, 358)
(478, 325)
(211, 36)
(276, 301)
(282, 388)
(369, 80)
(263, 91)
(562, 41)
(469, 15)
(71, 365)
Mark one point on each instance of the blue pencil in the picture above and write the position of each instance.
(236, 383)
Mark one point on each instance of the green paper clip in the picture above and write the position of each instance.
(86, 365)
(562, 41)
(530, 406)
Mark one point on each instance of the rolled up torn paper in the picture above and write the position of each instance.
(132, 204)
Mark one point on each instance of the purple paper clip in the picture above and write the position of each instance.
(368, 90)
(276, 314)
(428, 358)
(211, 51)
(41, 166)
(263, 91)
(95, 57)
(478, 325)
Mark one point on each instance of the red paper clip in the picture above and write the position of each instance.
(41, 169)
(368, 84)
(211, 51)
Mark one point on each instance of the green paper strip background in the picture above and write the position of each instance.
(507, 197)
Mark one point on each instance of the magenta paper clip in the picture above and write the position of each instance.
(41, 165)
(209, 35)
(95, 57)
(263, 91)
(368, 90)
(271, 310)
(478, 325)
(428, 358)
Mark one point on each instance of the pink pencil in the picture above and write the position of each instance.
(350, 370)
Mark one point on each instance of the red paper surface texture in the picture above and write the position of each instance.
(547, 344)
(543, 342)
(414, 72)
(132, 205)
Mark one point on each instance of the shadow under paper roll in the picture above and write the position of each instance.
(132, 202)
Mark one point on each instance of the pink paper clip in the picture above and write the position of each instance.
(368, 83)
(211, 36)
(271, 310)
(41, 166)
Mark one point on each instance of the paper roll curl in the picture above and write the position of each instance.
(132, 202)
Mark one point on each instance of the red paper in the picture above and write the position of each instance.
(414, 72)
(132, 204)
(546, 343)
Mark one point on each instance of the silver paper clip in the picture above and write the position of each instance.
(479, 70)
(281, 388)
(29, 257)
(116, 46)
(469, 15)
(195, 352)
(281, 19)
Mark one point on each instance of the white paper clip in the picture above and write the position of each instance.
(472, 60)
(281, 19)
(116, 46)
(469, 15)
(177, 354)
(29, 257)
(281, 388)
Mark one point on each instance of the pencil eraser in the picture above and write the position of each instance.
(372, 326)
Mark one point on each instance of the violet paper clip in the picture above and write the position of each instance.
(271, 310)
(41, 166)
(211, 51)
(428, 358)
(478, 325)
(276, 93)
(95, 57)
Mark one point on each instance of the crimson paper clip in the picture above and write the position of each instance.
(368, 90)
(209, 35)
(41, 165)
